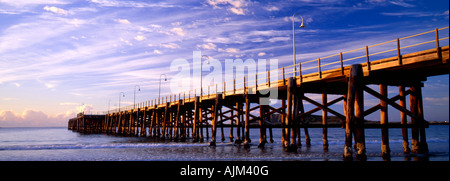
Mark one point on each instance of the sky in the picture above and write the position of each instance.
(59, 57)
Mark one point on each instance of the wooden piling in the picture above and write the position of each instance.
(238, 122)
(214, 108)
(423, 139)
(183, 124)
(305, 128)
(200, 122)
(165, 122)
(385, 150)
(262, 128)
(231, 123)
(222, 134)
(196, 123)
(359, 115)
(283, 122)
(353, 86)
(143, 122)
(296, 137)
(157, 123)
(359, 119)
(178, 120)
(403, 119)
(290, 146)
(247, 119)
(324, 122)
(415, 130)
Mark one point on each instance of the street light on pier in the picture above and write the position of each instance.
(120, 95)
(159, 93)
(201, 72)
(293, 38)
(134, 98)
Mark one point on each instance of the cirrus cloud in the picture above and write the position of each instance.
(55, 10)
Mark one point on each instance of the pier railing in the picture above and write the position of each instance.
(315, 68)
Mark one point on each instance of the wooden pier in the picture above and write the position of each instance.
(184, 116)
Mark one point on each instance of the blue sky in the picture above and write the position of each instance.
(56, 55)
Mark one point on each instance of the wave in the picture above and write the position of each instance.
(172, 145)
(376, 141)
(103, 146)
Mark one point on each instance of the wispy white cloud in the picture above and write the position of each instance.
(127, 42)
(122, 21)
(134, 4)
(139, 38)
(439, 101)
(238, 11)
(69, 104)
(56, 10)
(157, 52)
(229, 50)
(238, 7)
(20, 3)
(402, 4)
(178, 31)
(170, 45)
(30, 33)
(207, 46)
(272, 8)
(409, 13)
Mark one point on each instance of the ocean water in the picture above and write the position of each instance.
(60, 144)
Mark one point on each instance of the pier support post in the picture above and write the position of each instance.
(385, 150)
(403, 120)
(416, 105)
(143, 123)
(262, 127)
(238, 121)
(177, 125)
(195, 134)
(231, 123)
(215, 108)
(295, 123)
(360, 139)
(289, 146)
(171, 123)
(415, 130)
(157, 123)
(247, 119)
(305, 129)
(354, 123)
(152, 129)
(165, 122)
(324, 123)
(222, 134)
(120, 122)
(423, 138)
(200, 122)
(283, 122)
(183, 123)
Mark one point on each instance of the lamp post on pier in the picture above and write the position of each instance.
(120, 95)
(201, 73)
(293, 38)
(134, 98)
(159, 93)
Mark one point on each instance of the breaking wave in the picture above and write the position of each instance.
(103, 146)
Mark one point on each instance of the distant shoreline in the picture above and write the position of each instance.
(438, 123)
